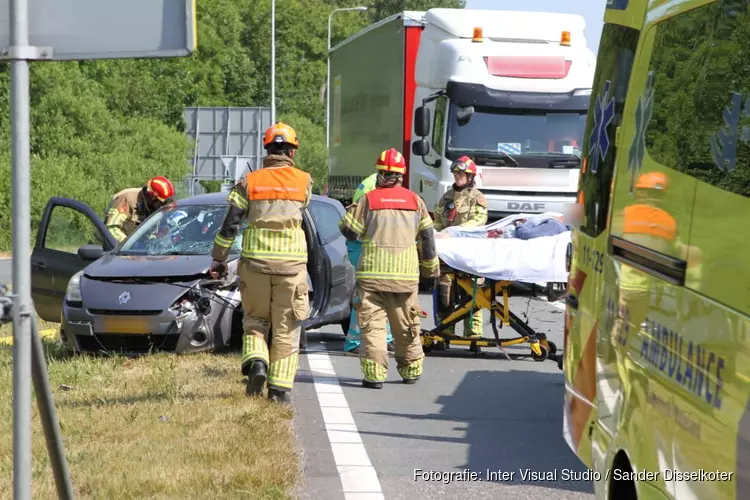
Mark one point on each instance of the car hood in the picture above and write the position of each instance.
(148, 266)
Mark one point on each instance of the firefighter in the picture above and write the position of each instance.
(354, 250)
(131, 206)
(463, 205)
(388, 220)
(273, 264)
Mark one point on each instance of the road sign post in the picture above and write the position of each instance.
(58, 31)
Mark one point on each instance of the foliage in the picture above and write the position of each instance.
(100, 126)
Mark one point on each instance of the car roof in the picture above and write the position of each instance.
(221, 199)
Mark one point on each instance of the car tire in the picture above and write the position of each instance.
(302, 337)
(345, 323)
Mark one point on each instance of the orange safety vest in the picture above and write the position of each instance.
(277, 183)
(650, 221)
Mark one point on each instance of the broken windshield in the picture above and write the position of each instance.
(185, 230)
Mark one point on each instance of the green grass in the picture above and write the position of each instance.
(156, 427)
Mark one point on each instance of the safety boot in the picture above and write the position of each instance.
(279, 396)
(256, 378)
(372, 385)
(411, 381)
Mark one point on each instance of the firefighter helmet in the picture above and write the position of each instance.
(653, 181)
(160, 188)
(281, 133)
(391, 160)
(464, 164)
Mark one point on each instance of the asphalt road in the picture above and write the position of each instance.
(477, 412)
(6, 271)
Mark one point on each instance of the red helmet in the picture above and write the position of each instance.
(160, 188)
(464, 164)
(391, 160)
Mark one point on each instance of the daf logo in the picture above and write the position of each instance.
(513, 205)
(124, 297)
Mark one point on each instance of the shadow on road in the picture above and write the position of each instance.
(512, 421)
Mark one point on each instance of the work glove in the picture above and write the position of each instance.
(218, 269)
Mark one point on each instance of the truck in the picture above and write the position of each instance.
(509, 89)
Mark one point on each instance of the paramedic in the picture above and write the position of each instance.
(131, 206)
(465, 206)
(389, 219)
(273, 265)
(354, 250)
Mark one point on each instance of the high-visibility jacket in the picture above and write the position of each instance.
(653, 228)
(389, 220)
(125, 212)
(272, 200)
(354, 247)
(465, 207)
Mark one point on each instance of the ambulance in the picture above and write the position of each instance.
(657, 323)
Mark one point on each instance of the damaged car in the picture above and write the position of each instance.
(153, 291)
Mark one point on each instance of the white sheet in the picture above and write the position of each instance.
(529, 261)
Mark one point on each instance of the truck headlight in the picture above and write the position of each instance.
(73, 292)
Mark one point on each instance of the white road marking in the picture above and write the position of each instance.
(359, 479)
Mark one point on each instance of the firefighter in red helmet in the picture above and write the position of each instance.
(132, 206)
(388, 220)
(463, 205)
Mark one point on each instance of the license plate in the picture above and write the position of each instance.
(513, 177)
(124, 325)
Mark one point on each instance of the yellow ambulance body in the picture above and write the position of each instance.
(657, 326)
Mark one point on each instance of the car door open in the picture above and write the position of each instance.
(70, 236)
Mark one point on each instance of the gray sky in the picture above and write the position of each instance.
(591, 10)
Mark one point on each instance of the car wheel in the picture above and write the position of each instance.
(302, 337)
(345, 323)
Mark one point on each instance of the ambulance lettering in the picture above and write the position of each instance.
(688, 363)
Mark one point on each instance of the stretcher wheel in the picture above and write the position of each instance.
(544, 355)
(552, 348)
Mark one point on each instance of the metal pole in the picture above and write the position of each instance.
(273, 62)
(328, 86)
(48, 416)
(19, 116)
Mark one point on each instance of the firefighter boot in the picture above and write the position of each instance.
(279, 396)
(256, 379)
(372, 385)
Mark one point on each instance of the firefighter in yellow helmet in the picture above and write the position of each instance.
(463, 205)
(273, 264)
(388, 220)
(131, 206)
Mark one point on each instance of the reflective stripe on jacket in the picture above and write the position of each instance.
(389, 220)
(272, 200)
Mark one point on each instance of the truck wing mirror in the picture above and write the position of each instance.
(464, 116)
(420, 147)
(422, 121)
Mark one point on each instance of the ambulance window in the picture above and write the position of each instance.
(700, 122)
(614, 65)
(438, 137)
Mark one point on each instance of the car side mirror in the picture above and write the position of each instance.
(90, 252)
(464, 116)
(422, 121)
(420, 147)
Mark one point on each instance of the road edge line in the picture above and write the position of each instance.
(359, 479)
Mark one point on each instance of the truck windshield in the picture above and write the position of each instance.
(523, 134)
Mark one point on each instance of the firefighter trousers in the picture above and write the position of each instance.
(448, 295)
(279, 304)
(374, 310)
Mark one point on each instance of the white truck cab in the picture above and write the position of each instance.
(510, 90)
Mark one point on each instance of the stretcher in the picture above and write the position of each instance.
(485, 269)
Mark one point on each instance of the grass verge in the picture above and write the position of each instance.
(158, 427)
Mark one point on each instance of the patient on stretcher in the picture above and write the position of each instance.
(523, 227)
